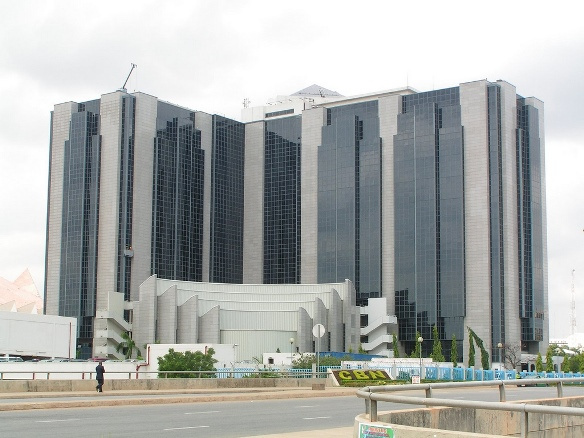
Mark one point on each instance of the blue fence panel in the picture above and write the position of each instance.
(458, 374)
(469, 374)
(445, 373)
(488, 375)
(431, 373)
(222, 373)
(406, 373)
(301, 373)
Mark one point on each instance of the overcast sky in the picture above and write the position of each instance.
(210, 55)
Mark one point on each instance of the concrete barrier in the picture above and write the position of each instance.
(445, 422)
(7, 386)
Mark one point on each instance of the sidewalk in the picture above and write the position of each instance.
(34, 400)
(340, 432)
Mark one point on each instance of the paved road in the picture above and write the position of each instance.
(303, 417)
(216, 419)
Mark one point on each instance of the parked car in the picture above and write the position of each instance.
(10, 359)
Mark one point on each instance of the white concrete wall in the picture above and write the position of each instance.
(510, 244)
(253, 217)
(50, 336)
(60, 133)
(474, 111)
(312, 122)
(389, 108)
(145, 124)
(109, 192)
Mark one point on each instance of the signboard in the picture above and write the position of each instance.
(415, 379)
(375, 431)
(343, 376)
(318, 331)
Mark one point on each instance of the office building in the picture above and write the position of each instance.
(433, 201)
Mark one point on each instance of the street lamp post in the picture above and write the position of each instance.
(420, 340)
(234, 360)
(501, 361)
(291, 350)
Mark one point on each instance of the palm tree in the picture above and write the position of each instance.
(127, 346)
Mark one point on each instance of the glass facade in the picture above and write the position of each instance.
(349, 199)
(227, 163)
(282, 154)
(530, 238)
(429, 208)
(429, 219)
(177, 222)
(496, 220)
(126, 187)
(81, 166)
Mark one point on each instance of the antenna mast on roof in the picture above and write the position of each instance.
(131, 70)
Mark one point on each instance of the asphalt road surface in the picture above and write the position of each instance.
(222, 419)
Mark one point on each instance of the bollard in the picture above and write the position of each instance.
(502, 396)
(524, 424)
(373, 413)
(560, 390)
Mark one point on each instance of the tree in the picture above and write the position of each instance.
(471, 350)
(539, 363)
(549, 360)
(417, 350)
(127, 346)
(512, 355)
(305, 361)
(188, 361)
(454, 352)
(437, 355)
(395, 349)
(573, 363)
(484, 353)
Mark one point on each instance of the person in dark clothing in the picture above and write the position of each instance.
(99, 372)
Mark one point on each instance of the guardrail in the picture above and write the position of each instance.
(373, 394)
(217, 374)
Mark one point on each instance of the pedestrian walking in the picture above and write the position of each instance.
(99, 372)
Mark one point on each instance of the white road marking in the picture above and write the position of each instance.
(183, 428)
(315, 418)
(307, 406)
(205, 412)
(58, 421)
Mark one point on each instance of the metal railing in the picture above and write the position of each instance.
(373, 394)
(220, 373)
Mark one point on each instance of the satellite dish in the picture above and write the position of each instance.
(318, 331)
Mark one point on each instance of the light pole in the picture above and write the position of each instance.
(420, 340)
(291, 350)
(234, 360)
(500, 347)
